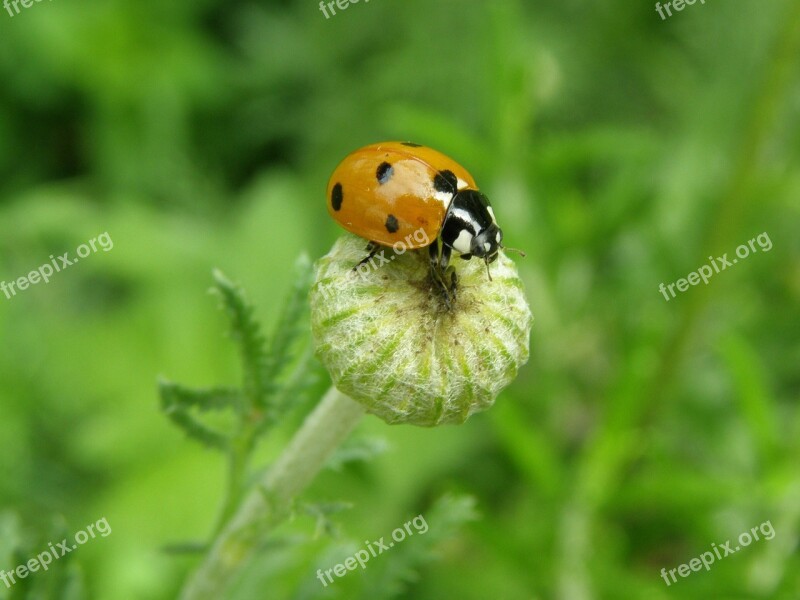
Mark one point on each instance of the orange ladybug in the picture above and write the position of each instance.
(389, 191)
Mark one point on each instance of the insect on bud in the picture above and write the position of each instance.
(391, 341)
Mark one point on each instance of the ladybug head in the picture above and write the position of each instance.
(487, 243)
(469, 227)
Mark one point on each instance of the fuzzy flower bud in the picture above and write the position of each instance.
(391, 342)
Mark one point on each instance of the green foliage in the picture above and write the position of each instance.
(252, 347)
(266, 393)
(416, 553)
(64, 581)
(392, 573)
(618, 150)
(178, 402)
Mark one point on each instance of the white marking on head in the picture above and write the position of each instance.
(497, 237)
(487, 246)
(463, 243)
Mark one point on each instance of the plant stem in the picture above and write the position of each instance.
(270, 501)
(237, 459)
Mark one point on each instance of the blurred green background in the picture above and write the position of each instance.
(620, 150)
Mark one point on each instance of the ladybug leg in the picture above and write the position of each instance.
(433, 254)
(440, 256)
(447, 270)
(451, 273)
(372, 248)
(442, 273)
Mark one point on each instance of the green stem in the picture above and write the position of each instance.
(271, 499)
(237, 458)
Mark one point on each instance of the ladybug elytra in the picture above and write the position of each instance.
(387, 191)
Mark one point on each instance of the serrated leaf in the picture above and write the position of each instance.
(388, 575)
(294, 390)
(443, 520)
(246, 331)
(290, 323)
(199, 431)
(173, 394)
(177, 402)
(64, 578)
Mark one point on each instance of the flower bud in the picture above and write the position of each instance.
(391, 341)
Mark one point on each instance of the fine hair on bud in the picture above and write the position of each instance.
(392, 341)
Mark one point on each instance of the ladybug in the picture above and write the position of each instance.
(387, 192)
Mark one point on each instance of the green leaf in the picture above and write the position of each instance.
(63, 579)
(295, 389)
(443, 520)
(174, 394)
(245, 330)
(178, 401)
(291, 323)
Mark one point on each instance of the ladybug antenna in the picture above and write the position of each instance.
(520, 252)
